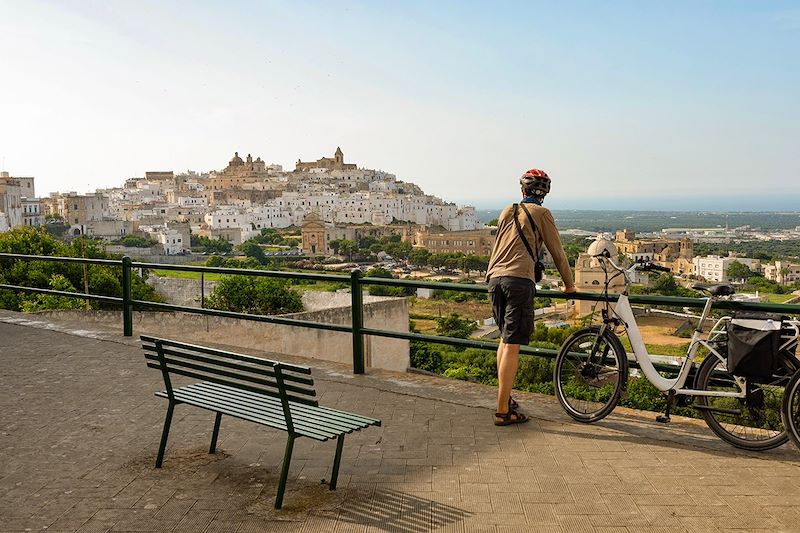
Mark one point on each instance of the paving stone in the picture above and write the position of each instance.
(84, 407)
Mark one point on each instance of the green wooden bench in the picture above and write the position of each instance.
(271, 393)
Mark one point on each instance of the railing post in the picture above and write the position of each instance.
(127, 306)
(357, 309)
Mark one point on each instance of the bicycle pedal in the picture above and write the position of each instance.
(663, 419)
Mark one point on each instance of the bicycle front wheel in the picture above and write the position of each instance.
(589, 374)
(753, 422)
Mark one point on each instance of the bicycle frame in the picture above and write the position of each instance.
(624, 312)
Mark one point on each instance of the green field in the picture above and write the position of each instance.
(776, 298)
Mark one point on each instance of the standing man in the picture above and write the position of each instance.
(511, 276)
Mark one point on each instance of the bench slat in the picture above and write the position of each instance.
(214, 379)
(269, 410)
(240, 376)
(306, 415)
(242, 357)
(266, 414)
(260, 369)
(152, 353)
(324, 413)
(277, 422)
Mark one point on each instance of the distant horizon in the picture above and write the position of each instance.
(657, 203)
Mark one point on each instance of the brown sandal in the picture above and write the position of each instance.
(507, 420)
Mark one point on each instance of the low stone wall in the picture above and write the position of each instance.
(380, 352)
(181, 291)
(154, 254)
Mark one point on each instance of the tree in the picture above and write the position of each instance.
(365, 242)
(215, 261)
(102, 280)
(269, 236)
(347, 248)
(784, 272)
(665, 284)
(493, 222)
(454, 262)
(259, 296)
(380, 290)
(218, 245)
(453, 325)
(738, 271)
(397, 249)
(252, 249)
(437, 260)
(419, 256)
(476, 262)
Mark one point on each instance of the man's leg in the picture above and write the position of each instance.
(507, 363)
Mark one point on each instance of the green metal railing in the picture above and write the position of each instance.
(357, 283)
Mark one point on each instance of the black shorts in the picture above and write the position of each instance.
(512, 308)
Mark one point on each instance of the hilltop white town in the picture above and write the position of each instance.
(329, 201)
(237, 202)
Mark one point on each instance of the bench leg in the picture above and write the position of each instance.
(215, 434)
(165, 435)
(336, 461)
(287, 459)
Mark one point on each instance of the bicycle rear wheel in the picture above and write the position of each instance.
(790, 412)
(590, 373)
(753, 422)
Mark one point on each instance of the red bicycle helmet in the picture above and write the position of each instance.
(535, 181)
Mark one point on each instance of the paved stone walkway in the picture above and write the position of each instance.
(79, 429)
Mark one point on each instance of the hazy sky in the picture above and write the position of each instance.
(621, 102)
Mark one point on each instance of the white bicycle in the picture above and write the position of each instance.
(591, 371)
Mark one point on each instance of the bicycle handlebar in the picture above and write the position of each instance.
(651, 266)
(643, 265)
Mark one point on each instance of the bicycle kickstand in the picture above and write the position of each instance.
(670, 400)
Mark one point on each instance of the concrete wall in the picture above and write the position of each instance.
(183, 291)
(387, 313)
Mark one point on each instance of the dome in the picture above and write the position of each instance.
(600, 244)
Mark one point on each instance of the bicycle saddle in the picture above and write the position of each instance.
(719, 289)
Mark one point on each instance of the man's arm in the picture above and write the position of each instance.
(553, 242)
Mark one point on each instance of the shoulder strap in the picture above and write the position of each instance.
(533, 227)
(522, 235)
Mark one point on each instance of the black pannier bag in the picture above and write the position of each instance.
(753, 342)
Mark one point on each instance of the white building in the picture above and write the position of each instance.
(32, 212)
(192, 201)
(174, 238)
(171, 241)
(782, 272)
(226, 218)
(11, 213)
(714, 267)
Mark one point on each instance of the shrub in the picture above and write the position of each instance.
(260, 296)
(453, 325)
(425, 357)
(380, 290)
(47, 302)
